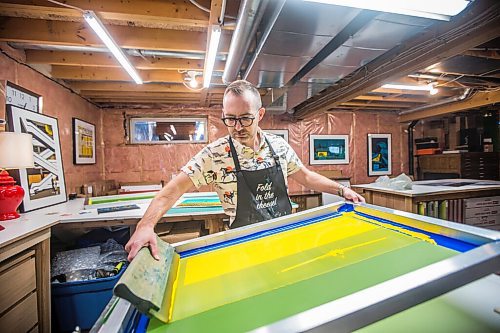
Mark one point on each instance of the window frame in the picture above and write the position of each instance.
(135, 119)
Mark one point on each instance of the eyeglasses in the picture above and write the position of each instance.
(244, 121)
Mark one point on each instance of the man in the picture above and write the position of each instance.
(249, 169)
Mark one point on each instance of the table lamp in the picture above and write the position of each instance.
(16, 152)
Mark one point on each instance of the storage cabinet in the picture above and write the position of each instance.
(25, 284)
(459, 165)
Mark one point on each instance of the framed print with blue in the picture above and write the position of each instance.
(328, 149)
(379, 154)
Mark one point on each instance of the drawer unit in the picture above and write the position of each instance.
(18, 297)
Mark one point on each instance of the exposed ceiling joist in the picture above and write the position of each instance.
(106, 87)
(393, 105)
(478, 25)
(113, 74)
(80, 34)
(488, 54)
(477, 100)
(216, 10)
(443, 92)
(98, 59)
(144, 94)
(391, 99)
(188, 19)
(181, 9)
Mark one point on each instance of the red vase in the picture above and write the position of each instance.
(11, 196)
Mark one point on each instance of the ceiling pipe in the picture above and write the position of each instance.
(172, 54)
(249, 17)
(464, 78)
(466, 94)
(266, 31)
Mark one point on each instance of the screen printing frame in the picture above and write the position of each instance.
(375, 303)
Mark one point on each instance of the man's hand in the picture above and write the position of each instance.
(143, 236)
(352, 196)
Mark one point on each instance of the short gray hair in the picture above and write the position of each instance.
(240, 87)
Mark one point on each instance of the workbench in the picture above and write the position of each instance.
(335, 268)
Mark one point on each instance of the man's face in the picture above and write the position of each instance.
(242, 108)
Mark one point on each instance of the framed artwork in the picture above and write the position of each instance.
(83, 142)
(379, 154)
(279, 132)
(44, 183)
(328, 149)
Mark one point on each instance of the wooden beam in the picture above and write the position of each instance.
(215, 19)
(113, 74)
(144, 94)
(422, 99)
(84, 86)
(184, 20)
(488, 54)
(442, 92)
(179, 9)
(100, 59)
(80, 34)
(145, 100)
(377, 105)
(478, 24)
(477, 100)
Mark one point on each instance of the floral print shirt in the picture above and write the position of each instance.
(214, 164)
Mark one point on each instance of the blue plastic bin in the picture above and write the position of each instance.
(80, 303)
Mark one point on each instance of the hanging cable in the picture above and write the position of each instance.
(205, 9)
(66, 5)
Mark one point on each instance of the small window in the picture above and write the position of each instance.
(168, 130)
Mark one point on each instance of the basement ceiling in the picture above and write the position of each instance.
(306, 58)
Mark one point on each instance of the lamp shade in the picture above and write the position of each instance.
(16, 150)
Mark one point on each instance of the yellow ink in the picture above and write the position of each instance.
(332, 253)
(419, 235)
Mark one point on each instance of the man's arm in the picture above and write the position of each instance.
(144, 234)
(320, 183)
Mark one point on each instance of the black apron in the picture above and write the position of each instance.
(262, 194)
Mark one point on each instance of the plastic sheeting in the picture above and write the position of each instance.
(135, 163)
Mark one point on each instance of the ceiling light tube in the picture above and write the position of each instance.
(103, 34)
(210, 55)
(406, 87)
(438, 10)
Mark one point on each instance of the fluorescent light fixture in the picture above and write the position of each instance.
(193, 83)
(428, 87)
(434, 9)
(210, 55)
(405, 87)
(103, 34)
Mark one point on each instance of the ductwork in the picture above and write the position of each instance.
(466, 94)
(249, 17)
(278, 6)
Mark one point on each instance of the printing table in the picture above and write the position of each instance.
(330, 269)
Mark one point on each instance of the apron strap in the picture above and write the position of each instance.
(234, 155)
(275, 156)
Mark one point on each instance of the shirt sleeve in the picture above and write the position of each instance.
(286, 152)
(294, 163)
(199, 168)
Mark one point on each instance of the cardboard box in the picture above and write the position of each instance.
(99, 188)
(482, 202)
(481, 221)
(482, 211)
